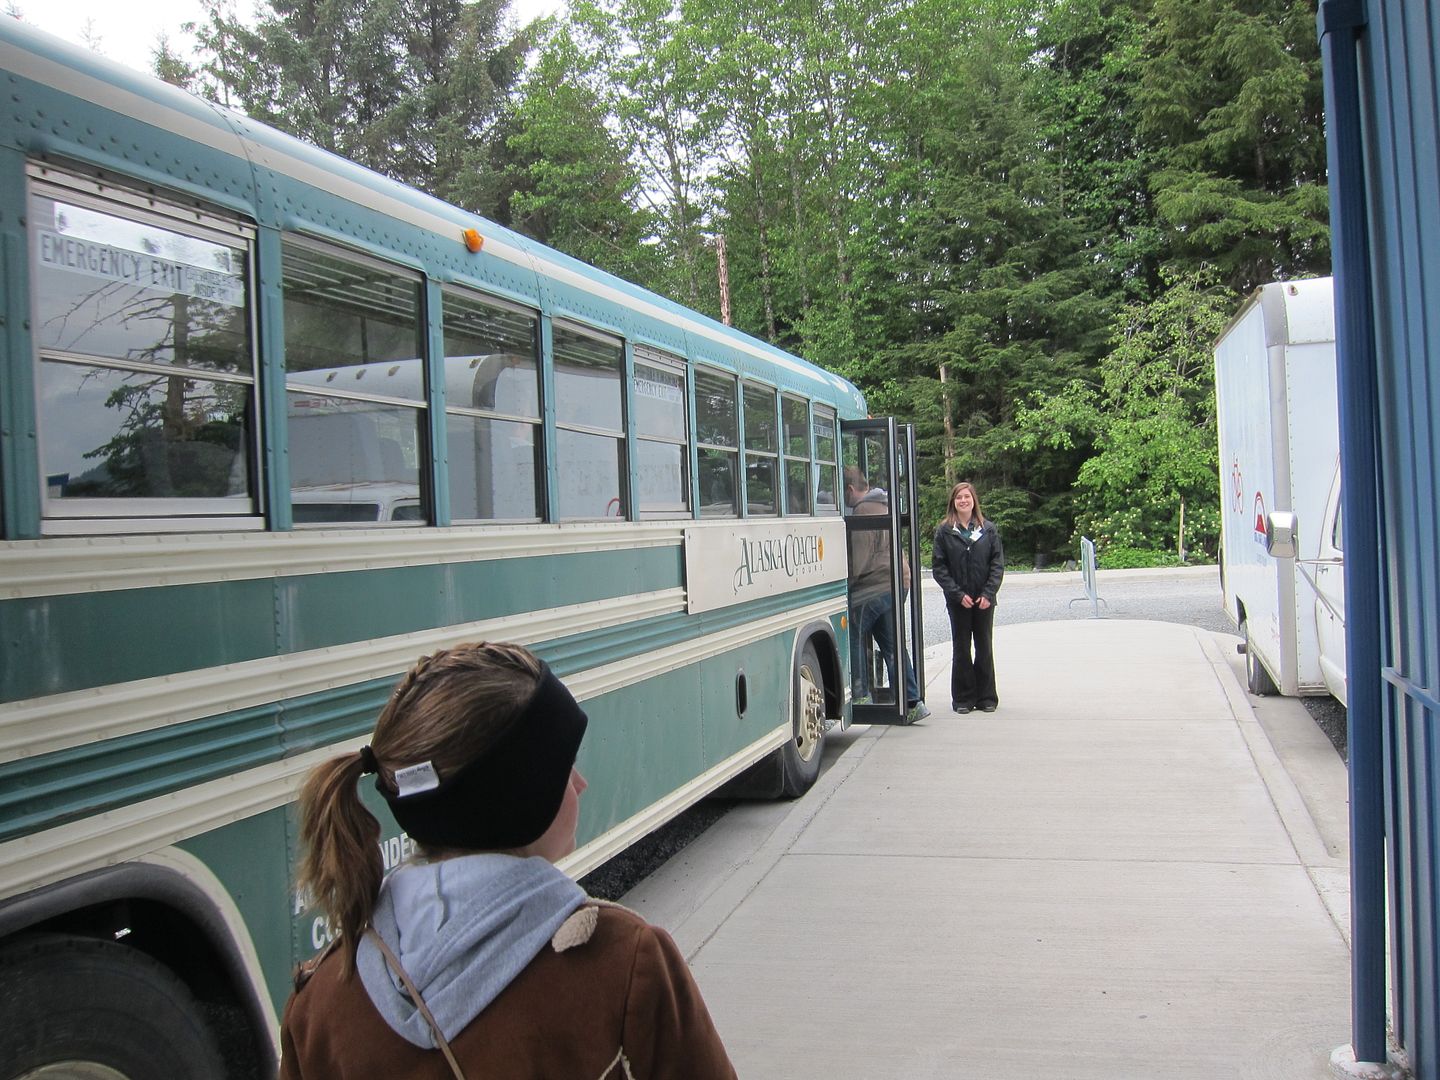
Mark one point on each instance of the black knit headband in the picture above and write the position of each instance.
(508, 796)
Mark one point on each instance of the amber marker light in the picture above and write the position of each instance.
(473, 240)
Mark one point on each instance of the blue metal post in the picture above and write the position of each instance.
(1340, 23)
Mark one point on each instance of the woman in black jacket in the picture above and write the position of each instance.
(968, 563)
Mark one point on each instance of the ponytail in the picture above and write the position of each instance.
(447, 709)
(341, 868)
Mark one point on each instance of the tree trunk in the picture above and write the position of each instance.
(762, 223)
(949, 417)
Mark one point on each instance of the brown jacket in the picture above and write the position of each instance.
(610, 999)
(870, 551)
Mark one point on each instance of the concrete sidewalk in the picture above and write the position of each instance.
(1126, 871)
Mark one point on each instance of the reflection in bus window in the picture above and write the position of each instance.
(760, 450)
(590, 428)
(146, 379)
(109, 433)
(826, 474)
(356, 387)
(345, 312)
(346, 504)
(795, 418)
(492, 405)
(660, 428)
(340, 449)
(717, 431)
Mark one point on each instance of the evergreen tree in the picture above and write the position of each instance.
(1231, 99)
(410, 88)
(572, 185)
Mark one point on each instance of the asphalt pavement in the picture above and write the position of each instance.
(1179, 594)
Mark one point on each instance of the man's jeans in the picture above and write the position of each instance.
(873, 618)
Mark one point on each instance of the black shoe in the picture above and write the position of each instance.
(990, 707)
(961, 708)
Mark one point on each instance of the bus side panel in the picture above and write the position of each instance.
(766, 666)
(642, 743)
(129, 634)
(183, 628)
(254, 860)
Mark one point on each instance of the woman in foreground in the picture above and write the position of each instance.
(479, 958)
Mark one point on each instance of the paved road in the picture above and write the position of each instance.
(1187, 594)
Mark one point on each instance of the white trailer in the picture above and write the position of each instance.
(1279, 468)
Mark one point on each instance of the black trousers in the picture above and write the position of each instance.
(972, 670)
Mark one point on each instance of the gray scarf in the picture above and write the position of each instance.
(463, 929)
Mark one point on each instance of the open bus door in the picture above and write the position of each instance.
(887, 664)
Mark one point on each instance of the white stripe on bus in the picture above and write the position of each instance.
(60, 566)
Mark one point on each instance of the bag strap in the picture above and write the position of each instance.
(393, 962)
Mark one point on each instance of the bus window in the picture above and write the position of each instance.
(795, 421)
(761, 451)
(146, 374)
(590, 428)
(717, 433)
(492, 410)
(356, 390)
(661, 434)
(826, 474)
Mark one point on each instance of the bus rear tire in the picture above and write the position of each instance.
(77, 1007)
(800, 757)
(1257, 679)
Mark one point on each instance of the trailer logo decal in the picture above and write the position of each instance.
(1259, 518)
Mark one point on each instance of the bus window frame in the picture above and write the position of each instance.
(807, 459)
(817, 412)
(565, 324)
(419, 406)
(772, 455)
(542, 479)
(736, 451)
(665, 360)
(172, 212)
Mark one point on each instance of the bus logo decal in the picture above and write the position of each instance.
(772, 557)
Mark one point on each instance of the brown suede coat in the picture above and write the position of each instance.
(610, 999)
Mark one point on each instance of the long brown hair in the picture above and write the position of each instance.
(952, 519)
(447, 709)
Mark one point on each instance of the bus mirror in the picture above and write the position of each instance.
(1280, 534)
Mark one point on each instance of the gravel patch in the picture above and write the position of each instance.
(1331, 717)
(613, 879)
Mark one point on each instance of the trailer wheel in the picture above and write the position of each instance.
(801, 755)
(1256, 677)
(80, 1008)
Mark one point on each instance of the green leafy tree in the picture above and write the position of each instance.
(573, 185)
(169, 66)
(1150, 421)
(649, 60)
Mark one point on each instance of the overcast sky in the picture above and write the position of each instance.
(126, 30)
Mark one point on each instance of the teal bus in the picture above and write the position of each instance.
(273, 427)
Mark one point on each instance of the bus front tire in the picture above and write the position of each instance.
(800, 757)
(77, 1006)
